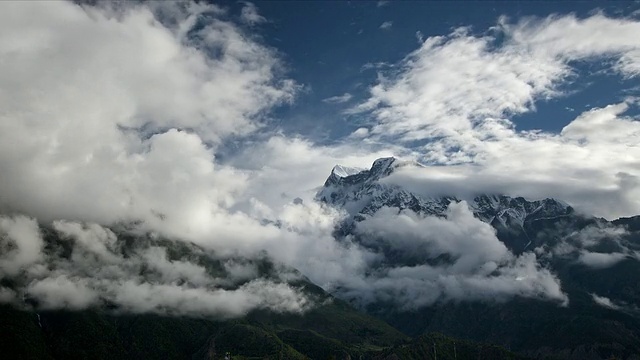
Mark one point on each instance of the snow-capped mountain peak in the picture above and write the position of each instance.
(344, 171)
(362, 194)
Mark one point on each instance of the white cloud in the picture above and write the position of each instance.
(360, 133)
(20, 243)
(63, 293)
(605, 302)
(459, 91)
(338, 99)
(144, 280)
(249, 14)
(453, 83)
(173, 271)
(386, 25)
(257, 294)
(594, 178)
(594, 235)
(603, 126)
(281, 169)
(600, 260)
(473, 265)
(597, 246)
(91, 239)
(470, 241)
(111, 116)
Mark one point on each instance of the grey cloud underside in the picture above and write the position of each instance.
(73, 266)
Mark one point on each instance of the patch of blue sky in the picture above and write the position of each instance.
(333, 48)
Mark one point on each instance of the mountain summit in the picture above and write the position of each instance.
(362, 193)
(594, 260)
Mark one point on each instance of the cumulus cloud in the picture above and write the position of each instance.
(63, 293)
(464, 79)
(459, 92)
(470, 241)
(118, 114)
(360, 133)
(457, 257)
(594, 235)
(114, 115)
(598, 177)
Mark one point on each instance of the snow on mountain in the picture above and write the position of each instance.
(362, 193)
(344, 171)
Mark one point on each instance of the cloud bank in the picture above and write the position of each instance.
(597, 246)
(457, 257)
(114, 115)
(89, 267)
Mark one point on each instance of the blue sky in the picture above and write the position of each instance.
(326, 46)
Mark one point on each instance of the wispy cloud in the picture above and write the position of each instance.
(339, 99)
(605, 302)
(386, 25)
(249, 14)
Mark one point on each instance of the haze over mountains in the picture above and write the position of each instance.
(167, 165)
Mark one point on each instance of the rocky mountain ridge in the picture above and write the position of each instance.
(596, 261)
(362, 193)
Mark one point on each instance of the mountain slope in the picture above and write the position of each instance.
(110, 332)
(595, 260)
(332, 329)
(94, 335)
(435, 346)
